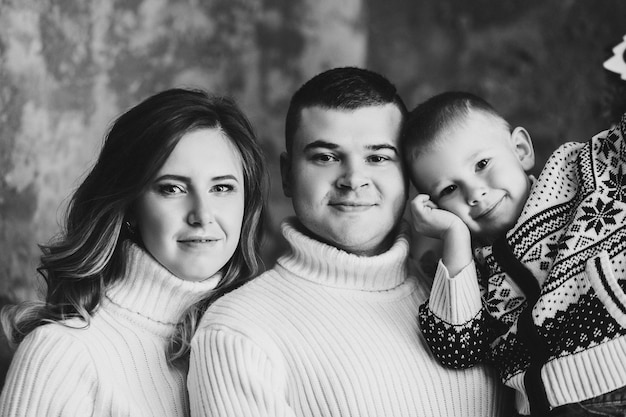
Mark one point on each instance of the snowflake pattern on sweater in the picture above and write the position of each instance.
(553, 287)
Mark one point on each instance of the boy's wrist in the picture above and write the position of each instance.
(457, 248)
(457, 232)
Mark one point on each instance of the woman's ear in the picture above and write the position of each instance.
(285, 173)
(524, 149)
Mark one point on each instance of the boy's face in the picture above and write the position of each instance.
(477, 170)
(345, 176)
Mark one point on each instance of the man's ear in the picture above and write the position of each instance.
(285, 173)
(523, 148)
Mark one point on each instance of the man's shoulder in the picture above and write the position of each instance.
(245, 302)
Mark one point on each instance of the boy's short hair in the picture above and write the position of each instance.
(424, 123)
(344, 88)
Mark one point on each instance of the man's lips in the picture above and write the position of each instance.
(351, 205)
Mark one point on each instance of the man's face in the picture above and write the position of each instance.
(345, 176)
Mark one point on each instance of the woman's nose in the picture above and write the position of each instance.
(200, 212)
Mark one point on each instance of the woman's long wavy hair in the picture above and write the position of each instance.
(87, 258)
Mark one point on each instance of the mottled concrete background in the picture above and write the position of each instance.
(67, 68)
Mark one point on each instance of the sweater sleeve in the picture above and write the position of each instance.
(230, 375)
(453, 321)
(455, 300)
(51, 374)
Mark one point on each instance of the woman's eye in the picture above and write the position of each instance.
(222, 188)
(170, 189)
(482, 164)
(447, 191)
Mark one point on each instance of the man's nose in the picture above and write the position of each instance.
(353, 176)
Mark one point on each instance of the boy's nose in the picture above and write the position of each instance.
(475, 194)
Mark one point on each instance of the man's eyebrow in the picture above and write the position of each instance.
(383, 146)
(329, 145)
(320, 144)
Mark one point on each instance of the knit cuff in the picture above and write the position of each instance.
(455, 300)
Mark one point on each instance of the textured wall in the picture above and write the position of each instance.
(67, 68)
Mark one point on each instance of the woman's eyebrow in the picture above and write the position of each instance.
(186, 179)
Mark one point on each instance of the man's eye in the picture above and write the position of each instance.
(482, 164)
(447, 191)
(378, 158)
(324, 158)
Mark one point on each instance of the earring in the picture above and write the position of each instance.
(130, 228)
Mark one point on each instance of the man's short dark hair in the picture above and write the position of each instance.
(344, 88)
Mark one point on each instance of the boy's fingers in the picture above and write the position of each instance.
(421, 200)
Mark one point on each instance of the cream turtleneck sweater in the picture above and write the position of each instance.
(117, 366)
(328, 333)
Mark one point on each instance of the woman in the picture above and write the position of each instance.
(168, 220)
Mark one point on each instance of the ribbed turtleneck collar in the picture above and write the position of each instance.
(150, 290)
(327, 265)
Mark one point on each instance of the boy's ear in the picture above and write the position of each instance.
(523, 148)
(285, 173)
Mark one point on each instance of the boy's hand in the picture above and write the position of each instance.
(430, 220)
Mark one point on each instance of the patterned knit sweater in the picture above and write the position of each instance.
(553, 311)
(327, 333)
(116, 366)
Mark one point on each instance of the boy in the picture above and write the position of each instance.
(548, 308)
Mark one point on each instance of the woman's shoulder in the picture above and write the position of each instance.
(64, 335)
(50, 349)
(48, 360)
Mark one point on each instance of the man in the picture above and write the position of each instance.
(332, 329)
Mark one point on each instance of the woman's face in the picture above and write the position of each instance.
(190, 215)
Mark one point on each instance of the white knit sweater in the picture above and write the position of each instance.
(328, 333)
(116, 366)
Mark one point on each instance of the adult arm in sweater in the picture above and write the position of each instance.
(231, 375)
(51, 374)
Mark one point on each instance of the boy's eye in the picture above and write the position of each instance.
(482, 164)
(447, 191)
(170, 189)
